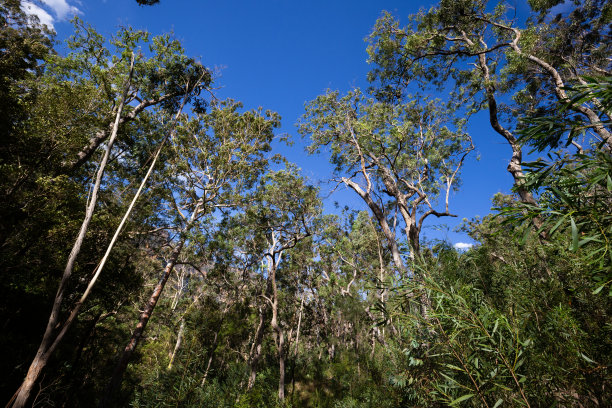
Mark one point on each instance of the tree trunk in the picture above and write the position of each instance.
(95, 141)
(297, 336)
(281, 365)
(115, 383)
(278, 331)
(23, 394)
(48, 342)
(515, 165)
(179, 339)
(382, 221)
(214, 347)
(297, 342)
(255, 353)
(210, 357)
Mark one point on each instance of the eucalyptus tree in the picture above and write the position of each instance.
(163, 79)
(480, 53)
(356, 266)
(217, 158)
(575, 189)
(396, 157)
(110, 82)
(282, 214)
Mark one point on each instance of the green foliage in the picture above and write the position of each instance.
(575, 189)
(23, 46)
(406, 138)
(400, 156)
(508, 322)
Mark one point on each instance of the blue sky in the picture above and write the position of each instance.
(280, 54)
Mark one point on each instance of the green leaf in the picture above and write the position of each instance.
(588, 239)
(498, 403)
(588, 360)
(525, 236)
(454, 367)
(599, 289)
(554, 228)
(461, 399)
(609, 183)
(574, 246)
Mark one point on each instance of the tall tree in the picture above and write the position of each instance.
(281, 214)
(122, 77)
(218, 157)
(287, 211)
(410, 153)
(478, 51)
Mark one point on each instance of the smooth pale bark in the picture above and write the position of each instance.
(210, 357)
(297, 335)
(382, 221)
(278, 331)
(88, 150)
(413, 237)
(63, 328)
(48, 343)
(516, 160)
(275, 255)
(115, 383)
(179, 339)
(515, 164)
(255, 353)
(560, 87)
(297, 342)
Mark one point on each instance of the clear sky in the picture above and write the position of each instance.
(279, 54)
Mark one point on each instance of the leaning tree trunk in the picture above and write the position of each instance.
(382, 221)
(46, 347)
(210, 357)
(179, 339)
(214, 346)
(515, 165)
(297, 342)
(115, 383)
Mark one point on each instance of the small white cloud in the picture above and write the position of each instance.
(61, 8)
(462, 246)
(44, 17)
